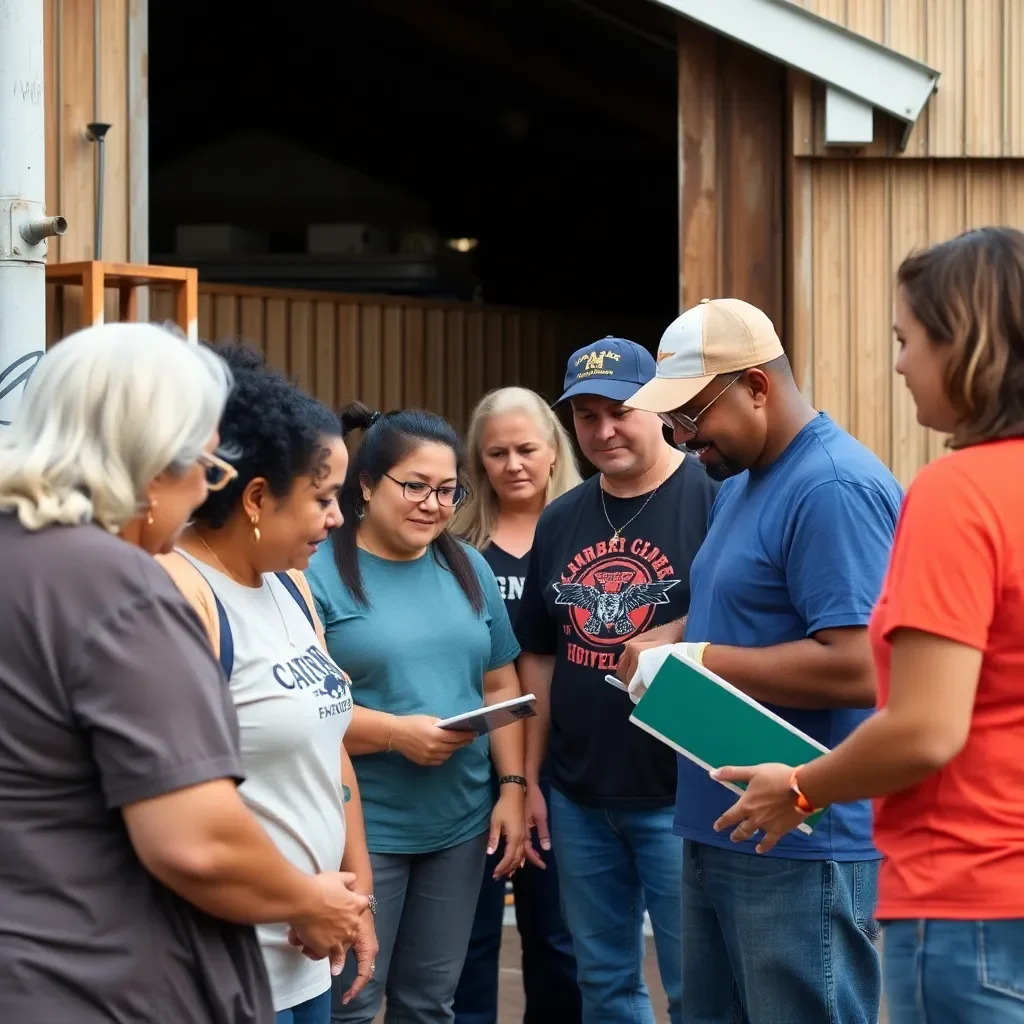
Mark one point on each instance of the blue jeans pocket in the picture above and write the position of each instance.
(865, 897)
(1001, 957)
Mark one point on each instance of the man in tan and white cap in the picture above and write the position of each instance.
(781, 593)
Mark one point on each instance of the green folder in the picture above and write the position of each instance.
(708, 720)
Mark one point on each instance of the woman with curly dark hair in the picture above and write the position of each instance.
(240, 562)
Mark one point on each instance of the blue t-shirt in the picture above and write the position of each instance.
(418, 649)
(795, 547)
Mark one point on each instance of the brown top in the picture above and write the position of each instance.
(109, 695)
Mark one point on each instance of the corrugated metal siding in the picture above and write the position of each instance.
(978, 45)
(852, 222)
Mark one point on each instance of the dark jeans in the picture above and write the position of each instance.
(954, 972)
(313, 1011)
(549, 967)
(774, 941)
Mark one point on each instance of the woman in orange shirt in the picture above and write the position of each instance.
(944, 755)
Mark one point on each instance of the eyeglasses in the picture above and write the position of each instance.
(448, 495)
(688, 424)
(218, 472)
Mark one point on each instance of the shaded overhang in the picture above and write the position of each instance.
(859, 74)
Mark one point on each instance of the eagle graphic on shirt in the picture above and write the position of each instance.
(611, 607)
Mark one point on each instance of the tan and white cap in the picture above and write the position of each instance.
(714, 337)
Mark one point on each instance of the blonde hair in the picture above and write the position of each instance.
(106, 411)
(476, 519)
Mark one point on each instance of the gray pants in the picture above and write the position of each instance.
(426, 903)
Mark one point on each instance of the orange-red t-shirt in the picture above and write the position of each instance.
(954, 843)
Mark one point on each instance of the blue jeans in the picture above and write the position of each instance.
(774, 941)
(549, 966)
(613, 864)
(954, 972)
(313, 1011)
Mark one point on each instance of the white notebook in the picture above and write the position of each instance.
(494, 716)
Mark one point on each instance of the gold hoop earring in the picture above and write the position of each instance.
(255, 528)
(149, 512)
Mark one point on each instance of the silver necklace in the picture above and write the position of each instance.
(617, 530)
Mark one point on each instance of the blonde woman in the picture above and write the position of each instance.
(520, 459)
(132, 872)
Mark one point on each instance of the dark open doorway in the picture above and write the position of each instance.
(545, 130)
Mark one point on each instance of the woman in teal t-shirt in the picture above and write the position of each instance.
(415, 618)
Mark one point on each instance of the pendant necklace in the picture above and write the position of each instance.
(617, 531)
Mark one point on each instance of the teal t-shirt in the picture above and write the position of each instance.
(417, 649)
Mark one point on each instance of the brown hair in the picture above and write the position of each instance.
(968, 293)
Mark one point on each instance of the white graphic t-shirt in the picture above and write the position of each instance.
(294, 705)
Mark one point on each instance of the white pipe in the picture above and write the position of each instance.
(23, 223)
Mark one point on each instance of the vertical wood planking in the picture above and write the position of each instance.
(492, 356)
(413, 357)
(700, 258)
(225, 317)
(371, 390)
(455, 365)
(77, 152)
(325, 376)
(276, 333)
(945, 31)
(347, 385)
(529, 346)
(909, 231)
(985, 193)
(870, 308)
(205, 313)
(300, 347)
(113, 109)
(511, 350)
(983, 63)
(393, 369)
(1013, 78)
(476, 381)
(251, 328)
(435, 376)
(947, 216)
(831, 218)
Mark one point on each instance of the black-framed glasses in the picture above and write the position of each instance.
(688, 424)
(416, 491)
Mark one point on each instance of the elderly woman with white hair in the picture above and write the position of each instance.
(131, 872)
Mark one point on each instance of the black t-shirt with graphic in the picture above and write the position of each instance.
(587, 593)
(510, 572)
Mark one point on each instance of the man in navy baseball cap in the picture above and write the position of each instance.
(610, 560)
(612, 368)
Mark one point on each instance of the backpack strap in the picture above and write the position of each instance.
(292, 587)
(226, 654)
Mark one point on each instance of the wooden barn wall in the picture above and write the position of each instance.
(391, 352)
(85, 82)
(731, 170)
(978, 45)
(852, 222)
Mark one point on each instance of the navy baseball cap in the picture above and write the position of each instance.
(611, 368)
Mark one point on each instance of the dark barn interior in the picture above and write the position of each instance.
(541, 133)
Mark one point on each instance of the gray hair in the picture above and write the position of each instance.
(106, 411)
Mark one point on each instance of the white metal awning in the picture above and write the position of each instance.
(859, 73)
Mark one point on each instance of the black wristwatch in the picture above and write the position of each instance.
(516, 780)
